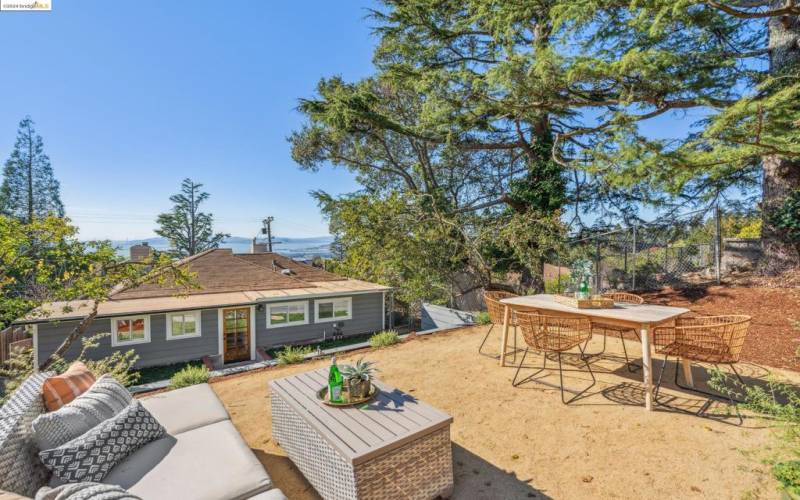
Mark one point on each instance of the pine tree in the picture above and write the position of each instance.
(189, 230)
(29, 190)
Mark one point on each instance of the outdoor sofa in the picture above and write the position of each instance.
(202, 456)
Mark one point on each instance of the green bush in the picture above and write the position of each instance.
(554, 285)
(293, 354)
(482, 318)
(384, 338)
(788, 474)
(191, 375)
(787, 217)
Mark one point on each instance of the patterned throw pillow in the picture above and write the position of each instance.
(21, 471)
(103, 400)
(91, 456)
(61, 389)
(85, 491)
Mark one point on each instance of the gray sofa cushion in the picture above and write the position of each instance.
(21, 471)
(84, 491)
(207, 463)
(274, 494)
(91, 456)
(185, 409)
(104, 399)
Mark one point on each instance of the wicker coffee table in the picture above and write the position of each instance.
(392, 447)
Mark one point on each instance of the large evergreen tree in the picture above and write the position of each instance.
(29, 190)
(189, 230)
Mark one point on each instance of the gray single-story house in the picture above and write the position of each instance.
(245, 302)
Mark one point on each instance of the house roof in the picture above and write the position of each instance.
(224, 279)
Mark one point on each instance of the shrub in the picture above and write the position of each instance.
(293, 354)
(556, 286)
(788, 474)
(191, 375)
(384, 338)
(482, 318)
(119, 364)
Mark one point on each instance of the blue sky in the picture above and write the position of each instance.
(131, 97)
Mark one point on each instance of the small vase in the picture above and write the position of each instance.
(358, 388)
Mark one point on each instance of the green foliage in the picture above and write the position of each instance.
(29, 190)
(189, 230)
(779, 401)
(788, 474)
(787, 218)
(191, 375)
(119, 365)
(384, 339)
(483, 318)
(293, 354)
(363, 370)
(556, 286)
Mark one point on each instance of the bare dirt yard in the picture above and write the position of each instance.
(775, 332)
(524, 443)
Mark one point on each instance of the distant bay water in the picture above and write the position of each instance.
(296, 248)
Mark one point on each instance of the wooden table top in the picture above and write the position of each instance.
(628, 313)
(392, 419)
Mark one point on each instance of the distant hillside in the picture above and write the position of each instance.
(296, 248)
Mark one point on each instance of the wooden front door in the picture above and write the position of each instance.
(236, 334)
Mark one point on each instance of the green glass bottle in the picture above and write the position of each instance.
(335, 383)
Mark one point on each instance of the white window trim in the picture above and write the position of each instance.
(349, 301)
(269, 307)
(145, 340)
(197, 321)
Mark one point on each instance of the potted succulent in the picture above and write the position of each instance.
(358, 378)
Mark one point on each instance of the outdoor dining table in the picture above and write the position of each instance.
(642, 317)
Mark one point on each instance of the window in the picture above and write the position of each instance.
(287, 314)
(183, 325)
(130, 330)
(334, 309)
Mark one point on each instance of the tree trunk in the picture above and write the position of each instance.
(781, 176)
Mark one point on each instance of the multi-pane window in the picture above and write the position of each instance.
(286, 314)
(183, 325)
(130, 330)
(334, 309)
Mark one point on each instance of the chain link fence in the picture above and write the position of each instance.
(668, 251)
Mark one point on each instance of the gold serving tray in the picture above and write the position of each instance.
(596, 302)
(322, 395)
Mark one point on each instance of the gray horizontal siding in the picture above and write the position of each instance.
(367, 318)
(159, 351)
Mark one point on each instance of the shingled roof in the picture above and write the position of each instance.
(220, 270)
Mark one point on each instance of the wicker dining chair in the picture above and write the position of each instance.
(496, 310)
(619, 298)
(554, 334)
(705, 339)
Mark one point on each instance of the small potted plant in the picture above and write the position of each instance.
(358, 378)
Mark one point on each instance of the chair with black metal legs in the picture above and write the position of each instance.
(496, 310)
(711, 339)
(619, 298)
(554, 334)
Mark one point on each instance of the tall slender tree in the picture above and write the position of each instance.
(189, 230)
(29, 190)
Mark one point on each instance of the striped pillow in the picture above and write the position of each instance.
(61, 389)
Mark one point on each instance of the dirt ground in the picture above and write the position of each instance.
(524, 443)
(774, 335)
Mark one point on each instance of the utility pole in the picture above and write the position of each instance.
(267, 229)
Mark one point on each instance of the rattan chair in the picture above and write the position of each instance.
(619, 298)
(496, 310)
(554, 334)
(710, 339)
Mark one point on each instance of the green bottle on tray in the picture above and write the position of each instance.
(335, 383)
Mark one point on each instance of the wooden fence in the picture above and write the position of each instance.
(13, 337)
